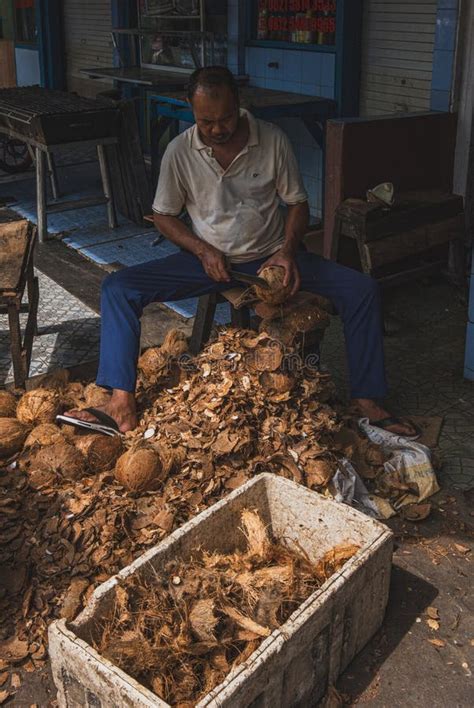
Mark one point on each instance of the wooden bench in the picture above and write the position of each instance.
(17, 243)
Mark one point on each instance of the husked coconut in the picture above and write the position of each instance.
(139, 469)
(175, 343)
(44, 435)
(278, 293)
(100, 451)
(7, 404)
(13, 434)
(61, 459)
(38, 406)
(95, 395)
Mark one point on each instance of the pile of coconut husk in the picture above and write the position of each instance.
(184, 627)
(76, 507)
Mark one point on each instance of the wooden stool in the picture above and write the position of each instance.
(17, 243)
(205, 316)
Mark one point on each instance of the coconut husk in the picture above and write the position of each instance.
(153, 364)
(61, 460)
(319, 471)
(175, 343)
(278, 293)
(72, 395)
(140, 469)
(100, 451)
(44, 435)
(7, 405)
(38, 406)
(96, 396)
(13, 434)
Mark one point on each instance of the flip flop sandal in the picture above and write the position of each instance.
(106, 424)
(385, 423)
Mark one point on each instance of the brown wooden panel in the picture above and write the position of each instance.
(415, 152)
(14, 240)
(7, 64)
(393, 248)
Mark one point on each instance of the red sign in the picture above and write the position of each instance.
(303, 21)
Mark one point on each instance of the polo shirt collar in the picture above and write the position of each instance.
(198, 144)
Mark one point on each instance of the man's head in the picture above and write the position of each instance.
(214, 96)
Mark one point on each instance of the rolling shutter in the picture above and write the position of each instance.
(87, 26)
(397, 56)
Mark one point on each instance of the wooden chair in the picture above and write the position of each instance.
(17, 243)
(206, 310)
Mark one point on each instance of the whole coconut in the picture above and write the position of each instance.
(100, 451)
(96, 396)
(60, 460)
(44, 435)
(38, 406)
(7, 404)
(278, 293)
(13, 434)
(140, 469)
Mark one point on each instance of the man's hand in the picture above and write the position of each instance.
(214, 263)
(286, 260)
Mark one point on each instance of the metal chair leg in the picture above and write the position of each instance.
(107, 186)
(41, 195)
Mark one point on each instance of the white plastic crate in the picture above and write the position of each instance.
(295, 664)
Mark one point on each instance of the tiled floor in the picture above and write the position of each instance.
(68, 333)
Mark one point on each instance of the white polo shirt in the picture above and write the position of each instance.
(237, 209)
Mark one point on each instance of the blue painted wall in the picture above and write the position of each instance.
(298, 71)
(444, 54)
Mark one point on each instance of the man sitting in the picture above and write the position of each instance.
(230, 172)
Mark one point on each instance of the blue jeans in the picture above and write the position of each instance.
(125, 294)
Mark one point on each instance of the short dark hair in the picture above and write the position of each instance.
(212, 77)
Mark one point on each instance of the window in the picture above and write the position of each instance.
(182, 34)
(296, 21)
(25, 21)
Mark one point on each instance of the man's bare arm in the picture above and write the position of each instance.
(175, 230)
(296, 225)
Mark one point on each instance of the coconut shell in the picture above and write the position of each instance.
(96, 396)
(61, 459)
(139, 469)
(44, 435)
(13, 434)
(7, 405)
(100, 451)
(278, 293)
(175, 343)
(38, 406)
